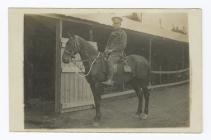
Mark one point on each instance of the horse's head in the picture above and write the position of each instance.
(71, 48)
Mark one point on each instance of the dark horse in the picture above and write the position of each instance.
(95, 72)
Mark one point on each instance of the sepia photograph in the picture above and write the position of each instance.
(111, 70)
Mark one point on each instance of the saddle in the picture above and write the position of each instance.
(122, 61)
(126, 67)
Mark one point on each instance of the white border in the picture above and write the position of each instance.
(16, 70)
(4, 101)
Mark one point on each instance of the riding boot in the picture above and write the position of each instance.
(110, 81)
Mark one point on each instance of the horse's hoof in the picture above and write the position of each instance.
(96, 124)
(137, 116)
(143, 116)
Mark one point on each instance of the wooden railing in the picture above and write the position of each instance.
(170, 72)
(160, 73)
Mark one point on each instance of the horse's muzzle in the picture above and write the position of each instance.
(65, 60)
(72, 56)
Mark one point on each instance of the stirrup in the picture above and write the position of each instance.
(111, 83)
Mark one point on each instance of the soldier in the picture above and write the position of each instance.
(116, 45)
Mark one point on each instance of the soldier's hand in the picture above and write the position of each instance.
(109, 51)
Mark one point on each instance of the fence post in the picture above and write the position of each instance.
(123, 86)
(150, 59)
(160, 75)
(176, 73)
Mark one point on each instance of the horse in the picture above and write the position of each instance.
(95, 72)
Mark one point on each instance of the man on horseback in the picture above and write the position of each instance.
(116, 45)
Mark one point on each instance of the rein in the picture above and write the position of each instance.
(84, 75)
(76, 44)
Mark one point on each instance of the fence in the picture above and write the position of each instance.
(166, 77)
(176, 77)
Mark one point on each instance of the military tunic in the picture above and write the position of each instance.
(117, 42)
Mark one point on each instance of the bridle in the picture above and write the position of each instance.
(76, 45)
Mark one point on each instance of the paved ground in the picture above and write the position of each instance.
(169, 107)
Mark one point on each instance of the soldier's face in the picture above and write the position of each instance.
(116, 25)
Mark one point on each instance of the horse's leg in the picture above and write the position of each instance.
(96, 91)
(146, 97)
(140, 99)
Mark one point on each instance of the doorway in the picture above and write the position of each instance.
(39, 64)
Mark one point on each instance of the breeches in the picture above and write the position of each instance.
(112, 64)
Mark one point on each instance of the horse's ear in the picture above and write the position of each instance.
(70, 36)
(75, 36)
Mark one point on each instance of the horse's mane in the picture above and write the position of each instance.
(89, 47)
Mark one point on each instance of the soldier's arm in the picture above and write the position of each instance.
(109, 42)
(122, 41)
